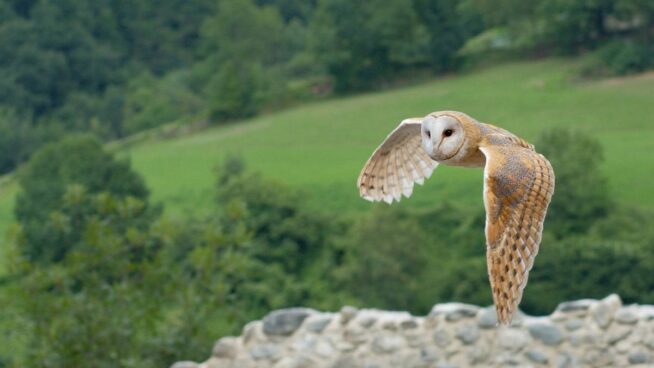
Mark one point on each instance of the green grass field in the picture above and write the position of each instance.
(320, 147)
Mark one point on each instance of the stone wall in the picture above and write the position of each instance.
(584, 333)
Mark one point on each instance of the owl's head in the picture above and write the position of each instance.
(443, 136)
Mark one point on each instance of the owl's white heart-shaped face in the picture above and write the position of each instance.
(442, 137)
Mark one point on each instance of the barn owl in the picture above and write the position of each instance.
(518, 187)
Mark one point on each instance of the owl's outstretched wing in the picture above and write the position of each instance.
(396, 164)
(518, 187)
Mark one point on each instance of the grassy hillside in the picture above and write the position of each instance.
(321, 147)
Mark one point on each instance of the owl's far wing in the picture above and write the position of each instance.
(518, 187)
(396, 164)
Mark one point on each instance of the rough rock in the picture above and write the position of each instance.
(318, 325)
(468, 334)
(387, 344)
(455, 311)
(585, 333)
(574, 324)
(442, 338)
(639, 357)
(576, 306)
(537, 356)
(548, 333)
(185, 364)
(604, 311)
(626, 316)
(266, 351)
(225, 348)
(512, 339)
(285, 321)
(487, 318)
(348, 313)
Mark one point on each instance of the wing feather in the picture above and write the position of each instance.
(396, 165)
(518, 187)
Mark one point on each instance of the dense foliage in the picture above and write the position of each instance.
(53, 208)
(117, 68)
(150, 290)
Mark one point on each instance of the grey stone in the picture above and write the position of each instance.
(345, 346)
(617, 334)
(512, 339)
(573, 324)
(265, 352)
(548, 333)
(639, 357)
(446, 365)
(648, 340)
(408, 324)
(599, 358)
(479, 353)
(604, 311)
(324, 349)
(416, 339)
(355, 334)
(428, 354)
(298, 361)
(318, 325)
(345, 361)
(623, 347)
(504, 360)
(251, 331)
(626, 316)
(305, 343)
(285, 321)
(565, 360)
(468, 334)
(584, 338)
(387, 344)
(537, 356)
(576, 306)
(348, 313)
(602, 315)
(185, 364)
(454, 311)
(441, 338)
(487, 318)
(367, 322)
(389, 325)
(225, 348)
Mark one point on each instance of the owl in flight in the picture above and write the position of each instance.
(518, 187)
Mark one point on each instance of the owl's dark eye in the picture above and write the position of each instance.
(448, 132)
(428, 134)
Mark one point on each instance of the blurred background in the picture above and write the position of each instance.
(174, 169)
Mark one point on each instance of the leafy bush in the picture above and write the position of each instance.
(588, 267)
(237, 91)
(52, 207)
(581, 195)
(620, 57)
(151, 102)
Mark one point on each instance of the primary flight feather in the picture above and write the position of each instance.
(518, 187)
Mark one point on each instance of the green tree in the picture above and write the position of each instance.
(285, 231)
(449, 25)
(581, 196)
(341, 41)
(589, 267)
(238, 90)
(246, 58)
(385, 261)
(52, 186)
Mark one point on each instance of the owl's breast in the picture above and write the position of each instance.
(468, 156)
